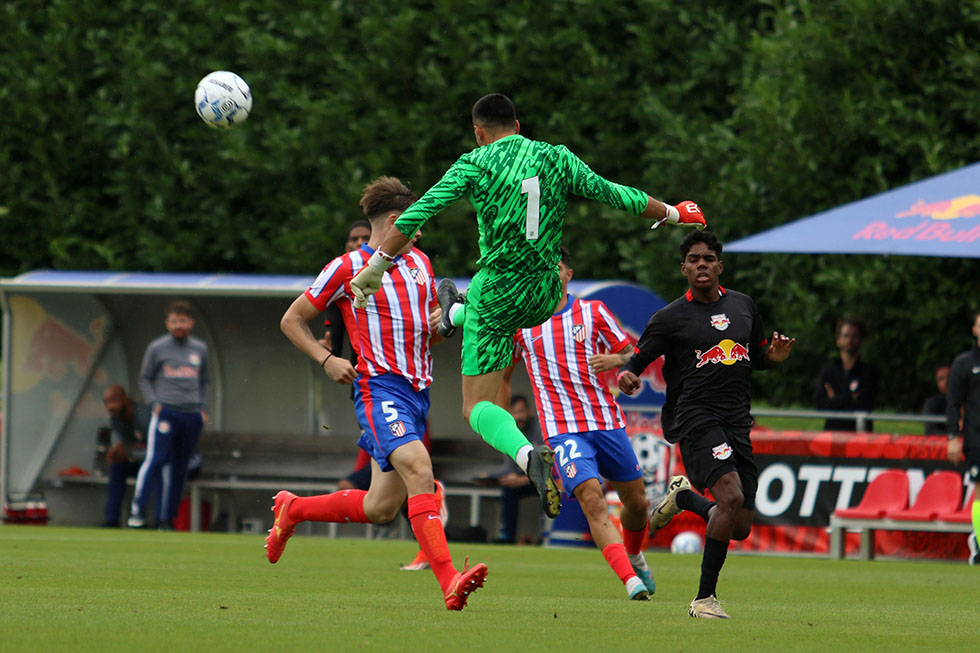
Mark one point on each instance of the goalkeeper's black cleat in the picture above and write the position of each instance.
(448, 296)
(539, 473)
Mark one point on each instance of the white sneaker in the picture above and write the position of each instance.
(974, 549)
(667, 508)
(637, 590)
(135, 521)
(707, 608)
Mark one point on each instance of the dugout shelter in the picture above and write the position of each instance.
(67, 335)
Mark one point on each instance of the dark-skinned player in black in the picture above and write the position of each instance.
(711, 339)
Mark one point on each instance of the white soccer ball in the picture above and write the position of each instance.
(686, 542)
(223, 100)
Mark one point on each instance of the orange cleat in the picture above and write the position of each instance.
(420, 563)
(465, 583)
(282, 527)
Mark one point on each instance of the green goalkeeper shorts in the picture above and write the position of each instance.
(497, 305)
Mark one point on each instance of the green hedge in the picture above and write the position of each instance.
(763, 112)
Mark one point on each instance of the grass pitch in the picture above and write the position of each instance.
(85, 589)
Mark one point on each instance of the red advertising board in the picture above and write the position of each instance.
(803, 478)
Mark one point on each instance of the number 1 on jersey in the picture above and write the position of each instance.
(532, 188)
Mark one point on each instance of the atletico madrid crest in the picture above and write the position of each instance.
(397, 429)
(418, 275)
(578, 332)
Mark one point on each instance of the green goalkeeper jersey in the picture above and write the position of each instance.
(519, 189)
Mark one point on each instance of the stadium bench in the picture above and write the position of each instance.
(242, 462)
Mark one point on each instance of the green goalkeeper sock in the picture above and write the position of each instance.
(457, 315)
(976, 518)
(497, 428)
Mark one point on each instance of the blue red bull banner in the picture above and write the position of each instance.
(938, 216)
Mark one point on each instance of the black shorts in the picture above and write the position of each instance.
(973, 463)
(711, 454)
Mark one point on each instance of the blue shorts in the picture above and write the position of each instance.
(391, 413)
(591, 454)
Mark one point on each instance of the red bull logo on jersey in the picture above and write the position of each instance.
(578, 332)
(726, 352)
(720, 321)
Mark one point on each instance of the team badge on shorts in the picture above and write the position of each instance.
(722, 451)
(720, 321)
(397, 429)
(578, 332)
(163, 427)
(570, 470)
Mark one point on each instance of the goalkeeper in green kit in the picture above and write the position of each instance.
(519, 189)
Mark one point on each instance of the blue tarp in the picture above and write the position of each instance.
(938, 216)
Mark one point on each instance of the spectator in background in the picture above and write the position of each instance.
(936, 404)
(848, 383)
(174, 379)
(128, 425)
(963, 421)
(514, 483)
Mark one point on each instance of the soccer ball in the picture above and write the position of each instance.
(223, 100)
(686, 542)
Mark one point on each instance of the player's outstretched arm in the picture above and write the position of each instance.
(685, 214)
(779, 348)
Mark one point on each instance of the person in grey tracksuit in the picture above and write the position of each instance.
(174, 380)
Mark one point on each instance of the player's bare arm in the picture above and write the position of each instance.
(295, 324)
(604, 362)
(779, 348)
(435, 316)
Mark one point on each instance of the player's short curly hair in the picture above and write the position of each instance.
(706, 237)
(386, 195)
(494, 110)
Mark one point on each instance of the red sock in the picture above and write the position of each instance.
(615, 555)
(339, 507)
(429, 532)
(633, 540)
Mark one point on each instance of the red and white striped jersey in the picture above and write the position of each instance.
(570, 398)
(391, 334)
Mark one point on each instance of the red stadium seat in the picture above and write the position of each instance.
(940, 494)
(963, 515)
(889, 491)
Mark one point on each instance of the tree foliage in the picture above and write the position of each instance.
(763, 112)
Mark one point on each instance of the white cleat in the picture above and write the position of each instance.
(667, 508)
(707, 608)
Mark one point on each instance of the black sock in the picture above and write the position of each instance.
(690, 500)
(715, 552)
